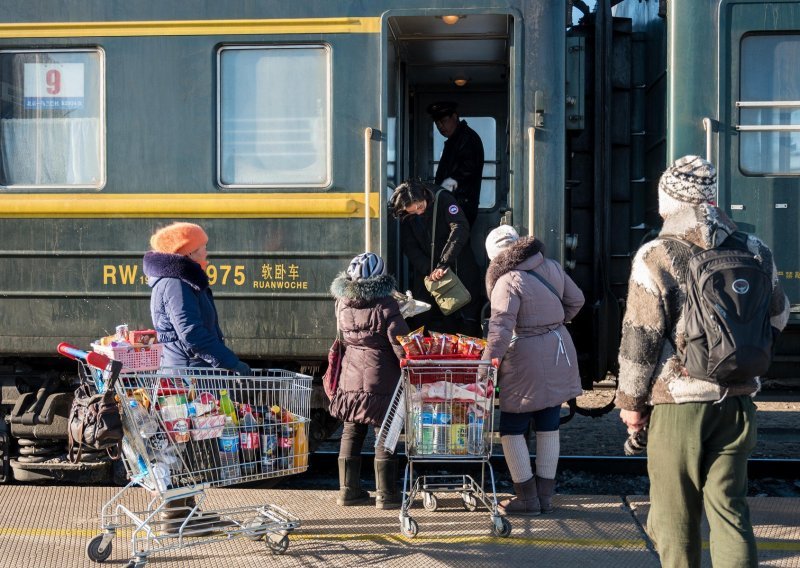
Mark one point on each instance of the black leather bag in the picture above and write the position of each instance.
(94, 422)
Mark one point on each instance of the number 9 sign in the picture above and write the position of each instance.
(54, 86)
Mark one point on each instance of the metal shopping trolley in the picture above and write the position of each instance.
(188, 429)
(447, 405)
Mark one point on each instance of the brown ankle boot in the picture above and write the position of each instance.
(544, 490)
(526, 502)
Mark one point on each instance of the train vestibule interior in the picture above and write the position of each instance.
(464, 58)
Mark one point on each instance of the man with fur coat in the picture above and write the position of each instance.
(700, 433)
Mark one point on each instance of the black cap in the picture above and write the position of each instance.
(441, 109)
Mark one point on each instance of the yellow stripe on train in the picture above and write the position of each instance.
(192, 27)
(192, 205)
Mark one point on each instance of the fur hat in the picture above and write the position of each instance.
(179, 238)
(366, 265)
(690, 181)
(499, 239)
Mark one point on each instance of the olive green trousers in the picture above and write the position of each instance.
(697, 458)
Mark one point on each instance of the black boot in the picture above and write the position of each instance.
(350, 492)
(387, 496)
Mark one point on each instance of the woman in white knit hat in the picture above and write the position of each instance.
(531, 298)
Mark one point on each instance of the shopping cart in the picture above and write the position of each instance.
(447, 406)
(178, 442)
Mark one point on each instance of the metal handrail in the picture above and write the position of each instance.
(767, 104)
(531, 176)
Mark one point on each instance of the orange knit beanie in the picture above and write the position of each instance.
(179, 238)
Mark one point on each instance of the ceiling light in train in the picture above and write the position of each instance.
(460, 81)
(450, 20)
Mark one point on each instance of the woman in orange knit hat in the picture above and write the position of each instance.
(181, 302)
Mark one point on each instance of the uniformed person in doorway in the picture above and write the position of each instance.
(461, 165)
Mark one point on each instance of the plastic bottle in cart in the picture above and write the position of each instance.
(475, 432)
(285, 438)
(249, 442)
(227, 407)
(269, 443)
(441, 427)
(229, 451)
(426, 427)
(145, 424)
(458, 429)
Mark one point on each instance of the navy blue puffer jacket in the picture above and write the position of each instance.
(184, 314)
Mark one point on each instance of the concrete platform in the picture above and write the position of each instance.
(48, 527)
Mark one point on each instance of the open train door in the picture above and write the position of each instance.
(759, 159)
(464, 56)
(505, 69)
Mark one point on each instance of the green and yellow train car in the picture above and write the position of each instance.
(282, 128)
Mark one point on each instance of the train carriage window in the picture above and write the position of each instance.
(485, 127)
(770, 105)
(52, 119)
(274, 116)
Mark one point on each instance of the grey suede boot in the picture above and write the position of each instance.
(350, 492)
(387, 496)
(525, 503)
(545, 489)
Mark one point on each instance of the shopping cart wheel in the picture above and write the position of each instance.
(470, 503)
(94, 552)
(429, 501)
(277, 545)
(409, 527)
(501, 526)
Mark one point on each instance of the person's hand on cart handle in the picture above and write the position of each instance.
(242, 369)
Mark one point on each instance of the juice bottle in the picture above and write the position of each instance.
(458, 429)
(227, 407)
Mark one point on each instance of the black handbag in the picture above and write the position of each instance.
(94, 422)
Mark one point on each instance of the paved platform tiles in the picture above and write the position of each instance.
(50, 527)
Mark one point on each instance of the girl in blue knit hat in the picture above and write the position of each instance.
(369, 320)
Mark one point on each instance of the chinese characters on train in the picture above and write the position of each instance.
(271, 276)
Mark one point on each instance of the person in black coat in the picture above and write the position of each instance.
(413, 203)
(460, 168)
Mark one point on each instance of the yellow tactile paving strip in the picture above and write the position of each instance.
(50, 526)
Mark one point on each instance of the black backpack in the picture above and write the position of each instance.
(728, 334)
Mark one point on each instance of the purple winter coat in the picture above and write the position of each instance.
(369, 321)
(539, 366)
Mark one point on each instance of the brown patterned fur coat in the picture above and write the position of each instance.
(650, 372)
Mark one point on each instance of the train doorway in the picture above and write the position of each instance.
(465, 59)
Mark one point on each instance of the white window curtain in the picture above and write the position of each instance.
(51, 152)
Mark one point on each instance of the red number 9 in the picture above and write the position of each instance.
(53, 80)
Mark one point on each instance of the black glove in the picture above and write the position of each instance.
(242, 369)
